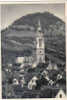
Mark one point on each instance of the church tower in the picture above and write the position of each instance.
(40, 47)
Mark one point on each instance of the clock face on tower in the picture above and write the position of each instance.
(41, 52)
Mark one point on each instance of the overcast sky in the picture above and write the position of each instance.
(11, 12)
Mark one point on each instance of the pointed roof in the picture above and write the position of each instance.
(55, 67)
(60, 94)
(49, 66)
(34, 78)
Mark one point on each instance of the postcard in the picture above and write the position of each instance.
(33, 50)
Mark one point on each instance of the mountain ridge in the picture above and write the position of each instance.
(52, 27)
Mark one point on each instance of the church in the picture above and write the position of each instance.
(40, 50)
(40, 46)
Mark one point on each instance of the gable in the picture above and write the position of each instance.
(60, 94)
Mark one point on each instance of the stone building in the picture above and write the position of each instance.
(32, 83)
(24, 60)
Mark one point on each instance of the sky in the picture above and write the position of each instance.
(12, 12)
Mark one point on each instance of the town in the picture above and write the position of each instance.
(36, 76)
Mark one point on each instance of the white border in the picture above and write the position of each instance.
(31, 1)
(34, 2)
(66, 41)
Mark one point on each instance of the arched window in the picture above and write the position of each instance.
(60, 95)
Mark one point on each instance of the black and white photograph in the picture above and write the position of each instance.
(33, 50)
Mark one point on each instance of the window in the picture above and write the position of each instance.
(60, 95)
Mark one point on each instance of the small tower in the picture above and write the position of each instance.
(40, 47)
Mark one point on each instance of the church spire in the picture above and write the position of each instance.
(40, 46)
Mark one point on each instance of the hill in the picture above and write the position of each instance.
(19, 39)
(21, 35)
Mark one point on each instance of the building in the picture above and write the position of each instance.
(15, 81)
(40, 47)
(59, 76)
(24, 60)
(19, 60)
(28, 60)
(55, 67)
(49, 66)
(60, 94)
(32, 83)
(34, 64)
(52, 66)
(40, 50)
(22, 82)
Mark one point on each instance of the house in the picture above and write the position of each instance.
(24, 60)
(51, 82)
(8, 70)
(49, 66)
(22, 82)
(34, 64)
(32, 83)
(59, 76)
(21, 75)
(45, 73)
(52, 66)
(22, 66)
(21, 71)
(60, 94)
(55, 67)
(9, 65)
(15, 81)
(19, 60)
(28, 60)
